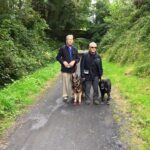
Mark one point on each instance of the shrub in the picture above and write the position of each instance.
(23, 46)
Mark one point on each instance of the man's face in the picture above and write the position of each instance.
(69, 40)
(92, 48)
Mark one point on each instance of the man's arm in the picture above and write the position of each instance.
(59, 56)
(60, 59)
(77, 57)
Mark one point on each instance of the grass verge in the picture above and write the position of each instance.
(20, 94)
(136, 92)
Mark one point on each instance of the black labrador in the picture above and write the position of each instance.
(105, 87)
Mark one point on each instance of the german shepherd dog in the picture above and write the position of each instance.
(77, 88)
(105, 87)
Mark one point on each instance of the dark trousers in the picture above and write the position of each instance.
(91, 83)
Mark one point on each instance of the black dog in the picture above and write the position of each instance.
(105, 87)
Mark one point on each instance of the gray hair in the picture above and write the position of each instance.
(69, 35)
(92, 44)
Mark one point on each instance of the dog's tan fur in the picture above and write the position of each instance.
(77, 88)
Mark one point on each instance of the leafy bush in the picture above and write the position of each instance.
(81, 43)
(24, 46)
(143, 70)
(128, 37)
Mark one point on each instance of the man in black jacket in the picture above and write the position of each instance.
(68, 58)
(91, 71)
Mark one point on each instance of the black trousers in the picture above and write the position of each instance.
(91, 83)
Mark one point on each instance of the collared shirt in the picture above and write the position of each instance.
(70, 52)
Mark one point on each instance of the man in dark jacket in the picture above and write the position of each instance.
(68, 58)
(91, 71)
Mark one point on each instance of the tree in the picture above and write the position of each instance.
(98, 26)
(23, 44)
(68, 14)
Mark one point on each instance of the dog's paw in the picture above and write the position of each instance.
(79, 103)
(74, 103)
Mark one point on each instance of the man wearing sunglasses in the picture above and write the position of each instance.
(91, 71)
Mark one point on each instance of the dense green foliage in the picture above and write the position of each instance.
(121, 28)
(15, 97)
(98, 26)
(81, 43)
(23, 44)
(63, 15)
(128, 38)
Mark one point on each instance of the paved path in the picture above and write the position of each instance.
(55, 125)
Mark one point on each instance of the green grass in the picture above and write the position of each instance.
(132, 47)
(137, 92)
(15, 97)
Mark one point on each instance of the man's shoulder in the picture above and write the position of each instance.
(65, 46)
(85, 54)
(74, 48)
(62, 48)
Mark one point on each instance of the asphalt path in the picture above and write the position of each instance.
(54, 125)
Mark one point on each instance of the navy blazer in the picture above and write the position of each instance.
(64, 55)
